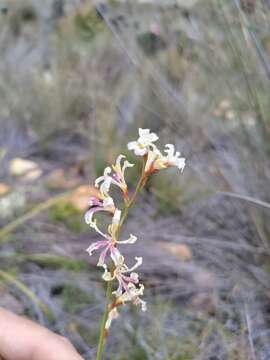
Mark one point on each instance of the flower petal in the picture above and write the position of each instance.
(140, 151)
(139, 261)
(116, 217)
(96, 246)
(88, 217)
(143, 132)
(131, 240)
(169, 150)
(181, 163)
(132, 145)
(118, 292)
(103, 255)
(107, 275)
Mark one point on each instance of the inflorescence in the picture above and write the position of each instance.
(129, 288)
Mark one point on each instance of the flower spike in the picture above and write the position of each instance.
(129, 287)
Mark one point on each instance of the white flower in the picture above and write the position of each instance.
(157, 161)
(142, 145)
(117, 178)
(153, 156)
(173, 158)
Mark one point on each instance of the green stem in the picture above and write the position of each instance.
(102, 332)
(128, 205)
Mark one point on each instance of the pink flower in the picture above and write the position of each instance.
(95, 205)
(126, 278)
(109, 245)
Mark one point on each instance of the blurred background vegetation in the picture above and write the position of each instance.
(77, 78)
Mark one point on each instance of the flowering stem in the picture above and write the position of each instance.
(102, 333)
(128, 205)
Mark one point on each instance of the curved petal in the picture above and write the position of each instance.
(139, 261)
(94, 226)
(118, 292)
(152, 137)
(117, 165)
(143, 132)
(126, 165)
(180, 163)
(88, 217)
(96, 246)
(117, 217)
(132, 145)
(131, 240)
(169, 150)
(140, 151)
(107, 275)
(105, 186)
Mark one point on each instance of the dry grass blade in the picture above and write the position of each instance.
(246, 198)
(249, 329)
(6, 230)
(8, 278)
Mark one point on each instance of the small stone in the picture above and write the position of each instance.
(58, 179)
(230, 115)
(225, 104)
(4, 189)
(20, 167)
(180, 250)
(205, 280)
(80, 197)
(33, 175)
